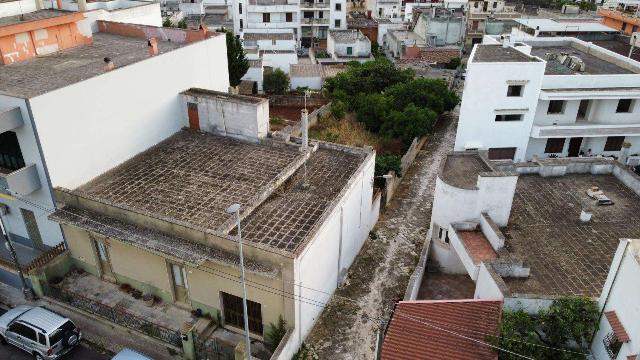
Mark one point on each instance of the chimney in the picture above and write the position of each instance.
(153, 46)
(304, 128)
(108, 64)
(624, 153)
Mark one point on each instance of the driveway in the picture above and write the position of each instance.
(380, 274)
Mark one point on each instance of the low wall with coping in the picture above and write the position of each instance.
(491, 231)
(408, 158)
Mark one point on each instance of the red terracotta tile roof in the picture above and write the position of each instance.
(415, 330)
(616, 326)
(478, 246)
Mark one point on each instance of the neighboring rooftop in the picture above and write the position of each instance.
(498, 53)
(268, 36)
(32, 16)
(211, 94)
(594, 65)
(415, 330)
(306, 70)
(549, 25)
(361, 23)
(462, 169)
(347, 36)
(42, 74)
(565, 255)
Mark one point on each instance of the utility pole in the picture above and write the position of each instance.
(26, 290)
(235, 209)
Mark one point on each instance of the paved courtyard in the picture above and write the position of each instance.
(441, 286)
(379, 275)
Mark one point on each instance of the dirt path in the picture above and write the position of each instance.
(380, 273)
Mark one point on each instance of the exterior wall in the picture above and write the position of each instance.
(486, 285)
(26, 40)
(130, 12)
(146, 32)
(616, 19)
(148, 112)
(11, 8)
(324, 262)
(463, 254)
(621, 295)
(339, 49)
(447, 31)
(387, 9)
(280, 61)
(310, 82)
(338, 15)
(231, 117)
(255, 74)
(40, 201)
(384, 28)
(485, 95)
(495, 196)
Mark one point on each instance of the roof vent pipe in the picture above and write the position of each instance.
(108, 64)
(304, 127)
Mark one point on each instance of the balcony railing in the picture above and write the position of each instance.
(22, 181)
(10, 119)
(314, 21)
(311, 5)
(585, 129)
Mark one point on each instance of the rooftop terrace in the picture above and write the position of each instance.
(43, 74)
(32, 16)
(191, 178)
(462, 170)
(594, 65)
(497, 53)
(566, 256)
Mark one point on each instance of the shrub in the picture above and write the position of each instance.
(454, 63)
(277, 82)
(301, 90)
(338, 109)
(388, 162)
(167, 22)
(275, 333)
(182, 24)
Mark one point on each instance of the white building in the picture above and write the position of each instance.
(310, 21)
(387, 8)
(618, 335)
(441, 27)
(69, 116)
(348, 45)
(483, 14)
(552, 27)
(549, 97)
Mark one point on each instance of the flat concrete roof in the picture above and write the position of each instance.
(252, 36)
(192, 177)
(211, 94)
(593, 64)
(461, 170)
(497, 53)
(565, 255)
(549, 25)
(32, 16)
(43, 74)
(347, 36)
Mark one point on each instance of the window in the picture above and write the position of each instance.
(10, 153)
(266, 17)
(624, 26)
(475, 4)
(443, 235)
(554, 146)
(349, 50)
(320, 15)
(57, 335)
(234, 313)
(614, 143)
(289, 17)
(555, 107)
(495, 4)
(509, 117)
(239, 8)
(474, 24)
(24, 331)
(612, 345)
(624, 106)
(308, 14)
(42, 339)
(338, 7)
(506, 153)
(32, 228)
(241, 24)
(514, 90)
(337, 23)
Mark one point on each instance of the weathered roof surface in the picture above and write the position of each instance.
(42, 74)
(32, 16)
(268, 36)
(193, 177)
(361, 23)
(478, 246)
(497, 53)
(306, 70)
(462, 170)
(156, 241)
(593, 65)
(616, 326)
(347, 36)
(415, 331)
(212, 94)
(565, 255)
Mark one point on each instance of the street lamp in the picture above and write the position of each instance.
(26, 290)
(235, 209)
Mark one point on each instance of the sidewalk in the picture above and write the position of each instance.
(98, 333)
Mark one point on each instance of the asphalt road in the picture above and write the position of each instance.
(9, 352)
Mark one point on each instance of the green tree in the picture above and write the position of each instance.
(409, 123)
(454, 63)
(338, 109)
(369, 77)
(275, 333)
(167, 22)
(371, 110)
(237, 62)
(277, 82)
(182, 24)
(430, 93)
(388, 162)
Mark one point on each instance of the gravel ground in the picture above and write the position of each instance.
(379, 276)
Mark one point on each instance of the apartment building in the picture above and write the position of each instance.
(621, 15)
(482, 15)
(310, 21)
(66, 117)
(158, 220)
(549, 97)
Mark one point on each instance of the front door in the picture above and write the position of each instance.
(180, 287)
(574, 146)
(194, 119)
(105, 263)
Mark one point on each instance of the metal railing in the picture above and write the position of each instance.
(117, 315)
(45, 257)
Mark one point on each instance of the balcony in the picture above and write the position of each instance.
(585, 129)
(10, 119)
(314, 21)
(311, 5)
(22, 181)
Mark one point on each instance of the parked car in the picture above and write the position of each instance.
(128, 354)
(38, 331)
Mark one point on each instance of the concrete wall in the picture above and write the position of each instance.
(337, 15)
(230, 117)
(40, 202)
(147, 112)
(359, 48)
(280, 61)
(487, 286)
(310, 82)
(491, 231)
(463, 253)
(160, 33)
(495, 196)
(621, 295)
(11, 8)
(485, 96)
(384, 28)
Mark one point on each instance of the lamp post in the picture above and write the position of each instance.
(231, 210)
(26, 290)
